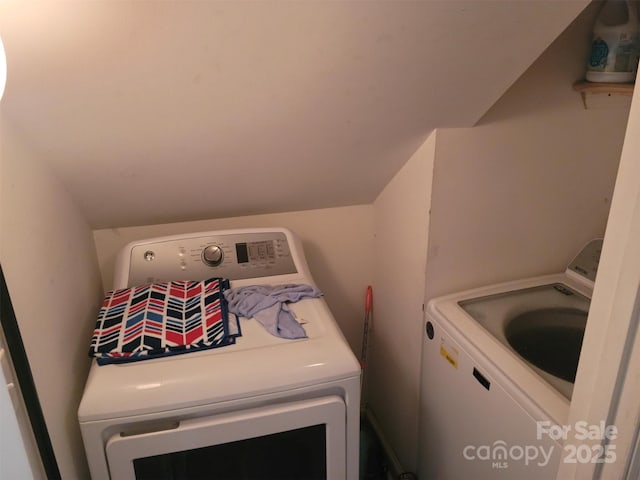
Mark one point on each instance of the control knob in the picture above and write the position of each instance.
(212, 255)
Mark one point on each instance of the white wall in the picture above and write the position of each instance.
(338, 244)
(522, 192)
(49, 261)
(393, 371)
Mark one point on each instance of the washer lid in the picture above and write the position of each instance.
(539, 307)
(494, 311)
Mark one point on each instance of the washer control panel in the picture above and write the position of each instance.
(586, 262)
(233, 256)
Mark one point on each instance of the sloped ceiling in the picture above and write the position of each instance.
(157, 111)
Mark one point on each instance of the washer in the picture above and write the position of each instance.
(294, 400)
(498, 367)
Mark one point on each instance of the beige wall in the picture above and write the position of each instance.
(521, 193)
(338, 244)
(241, 107)
(401, 225)
(50, 265)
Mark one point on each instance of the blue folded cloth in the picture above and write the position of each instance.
(268, 305)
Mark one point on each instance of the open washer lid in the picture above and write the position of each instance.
(533, 323)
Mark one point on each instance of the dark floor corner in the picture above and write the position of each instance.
(373, 464)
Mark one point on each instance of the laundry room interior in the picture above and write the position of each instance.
(414, 155)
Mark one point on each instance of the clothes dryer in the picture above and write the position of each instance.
(263, 407)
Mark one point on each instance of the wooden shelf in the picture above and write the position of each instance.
(594, 88)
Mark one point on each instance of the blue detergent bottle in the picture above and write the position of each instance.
(616, 43)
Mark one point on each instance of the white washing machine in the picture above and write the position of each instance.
(264, 407)
(498, 368)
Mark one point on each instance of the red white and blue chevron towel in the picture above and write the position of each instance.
(162, 319)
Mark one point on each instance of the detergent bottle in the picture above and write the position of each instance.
(616, 44)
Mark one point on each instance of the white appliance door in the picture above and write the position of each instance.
(301, 439)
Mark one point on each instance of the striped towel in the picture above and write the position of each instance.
(162, 319)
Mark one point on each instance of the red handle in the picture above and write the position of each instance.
(369, 300)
